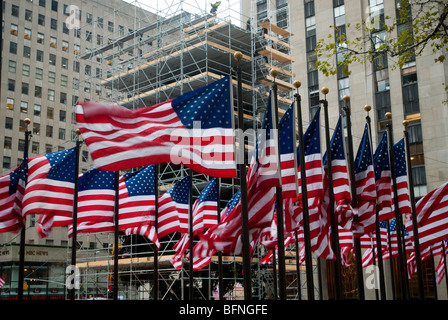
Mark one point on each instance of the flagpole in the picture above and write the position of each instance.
(190, 230)
(306, 220)
(156, 252)
(27, 121)
(243, 185)
(356, 240)
(279, 199)
(299, 289)
(220, 279)
(75, 210)
(116, 217)
(334, 225)
(421, 290)
(367, 108)
(398, 220)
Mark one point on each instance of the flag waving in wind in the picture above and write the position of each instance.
(194, 129)
(287, 154)
(12, 189)
(137, 203)
(51, 184)
(383, 179)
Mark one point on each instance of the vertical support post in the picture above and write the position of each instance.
(243, 185)
(279, 199)
(23, 231)
(116, 225)
(306, 219)
(333, 221)
(367, 108)
(398, 219)
(421, 291)
(156, 253)
(190, 230)
(75, 210)
(220, 278)
(356, 240)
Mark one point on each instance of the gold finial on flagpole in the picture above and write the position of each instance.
(238, 55)
(388, 115)
(405, 123)
(346, 98)
(325, 90)
(27, 121)
(297, 84)
(367, 108)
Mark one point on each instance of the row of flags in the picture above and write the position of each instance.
(119, 139)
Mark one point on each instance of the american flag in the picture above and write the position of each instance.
(2, 282)
(174, 208)
(319, 226)
(205, 208)
(432, 217)
(404, 202)
(96, 202)
(383, 179)
(341, 186)
(137, 203)
(365, 188)
(180, 248)
(287, 146)
(12, 189)
(51, 184)
(118, 138)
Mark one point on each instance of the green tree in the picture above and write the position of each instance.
(418, 24)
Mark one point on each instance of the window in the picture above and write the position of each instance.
(26, 52)
(8, 123)
(64, 80)
(26, 70)
(21, 145)
(51, 77)
(36, 128)
(64, 63)
(88, 36)
(64, 45)
(14, 29)
(99, 23)
(110, 26)
(24, 107)
(6, 162)
(50, 94)
(48, 148)
(61, 134)
(49, 131)
(15, 10)
(38, 92)
(42, 3)
(89, 18)
(12, 47)
(39, 55)
(39, 73)
(37, 110)
(52, 59)
(27, 34)
(382, 104)
(88, 70)
(87, 87)
(12, 66)
(54, 24)
(11, 84)
(77, 32)
(35, 147)
(75, 83)
(65, 29)
(40, 38)
(63, 98)
(9, 104)
(41, 19)
(62, 115)
(76, 66)
(99, 39)
(53, 42)
(54, 5)
(22, 126)
(50, 113)
(25, 88)
(28, 15)
(7, 143)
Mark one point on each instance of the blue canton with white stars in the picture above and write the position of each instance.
(62, 165)
(211, 105)
(381, 157)
(180, 192)
(210, 192)
(141, 182)
(336, 144)
(18, 174)
(233, 202)
(400, 159)
(311, 138)
(286, 127)
(364, 156)
(96, 180)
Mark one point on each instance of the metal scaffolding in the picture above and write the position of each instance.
(157, 52)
